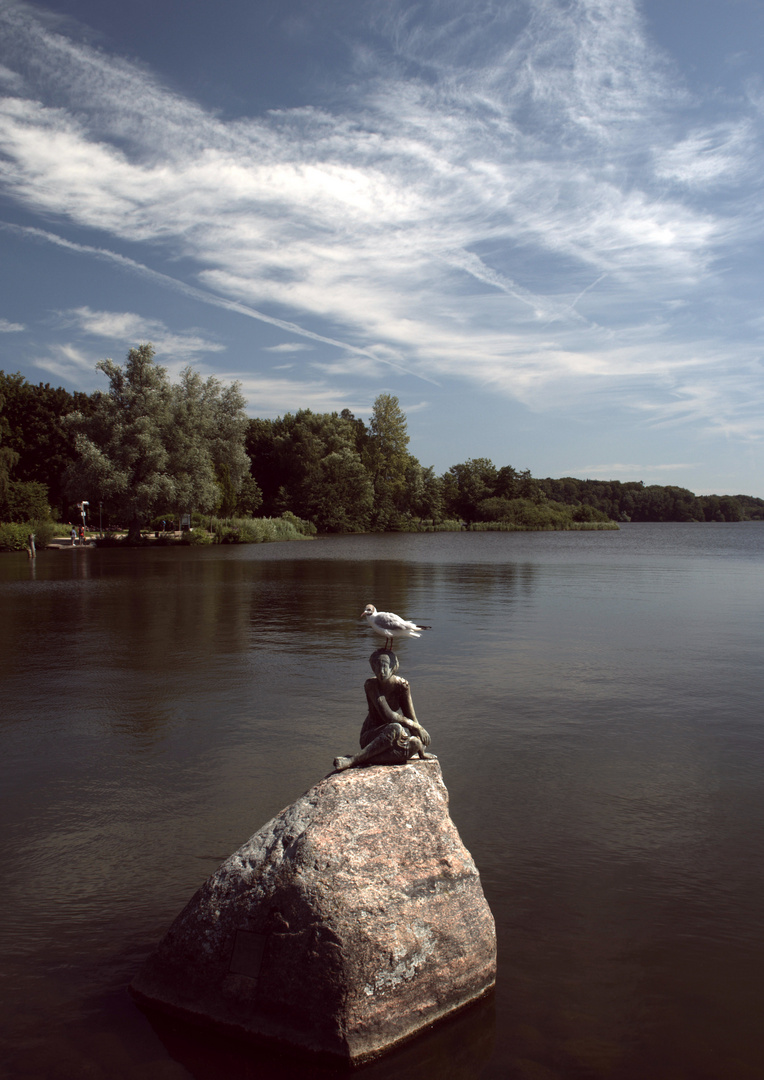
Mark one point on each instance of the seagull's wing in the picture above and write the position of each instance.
(390, 623)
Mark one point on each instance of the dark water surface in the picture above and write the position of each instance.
(596, 703)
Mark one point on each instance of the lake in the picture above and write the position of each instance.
(595, 700)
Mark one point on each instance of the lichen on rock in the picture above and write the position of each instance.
(347, 923)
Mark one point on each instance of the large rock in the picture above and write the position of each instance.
(348, 923)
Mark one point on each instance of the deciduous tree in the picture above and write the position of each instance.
(208, 426)
(308, 463)
(8, 457)
(36, 433)
(148, 444)
(468, 484)
(386, 458)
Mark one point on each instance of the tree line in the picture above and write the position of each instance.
(634, 501)
(148, 446)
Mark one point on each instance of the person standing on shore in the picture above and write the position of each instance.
(74, 536)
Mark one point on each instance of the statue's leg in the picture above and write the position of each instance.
(416, 748)
(390, 747)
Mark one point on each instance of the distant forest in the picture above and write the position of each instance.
(147, 447)
(633, 501)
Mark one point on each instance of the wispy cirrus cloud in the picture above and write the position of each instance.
(124, 326)
(70, 364)
(74, 362)
(380, 353)
(495, 192)
(8, 327)
(288, 347)
(275, 396)
(709, 157)
(617, 469)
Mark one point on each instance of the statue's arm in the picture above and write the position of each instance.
(381, 710)
(407, 705)
(407, 708)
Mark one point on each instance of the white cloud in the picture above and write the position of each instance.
(69, 363)
(76, 365)
(269, 396)
(708, 157)
(130, 329)
(479, 206)
(619, 469)
(288, 347)
(7, 327)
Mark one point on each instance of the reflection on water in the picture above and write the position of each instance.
(595, 703)
(457, 1050)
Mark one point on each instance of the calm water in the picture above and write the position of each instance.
(596, 704)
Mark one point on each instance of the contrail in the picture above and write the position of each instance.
(585, 291)
(570, 309)
(474, 266)
(202, 295)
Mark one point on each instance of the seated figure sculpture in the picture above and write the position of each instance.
(391, 733)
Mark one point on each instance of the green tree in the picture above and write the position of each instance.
(658, 503)
(722, 508)
(528, 488)
(467, 485)
(37, 433)
(8, 457)
(497, 508)
(308, 464)
(35, 447)
(342, 496)
(424, 492)
(260, 444)
(206, 436)
(589, 513)
(507, 483)
(751, 507)
(148, 444)
(386, 458)
(122, 446)
(26, 500)
(249, 497)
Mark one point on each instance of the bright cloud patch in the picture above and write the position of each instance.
(287, 347)
(508, 195)
(124, 326)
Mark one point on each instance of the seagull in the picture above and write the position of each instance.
(390, 626)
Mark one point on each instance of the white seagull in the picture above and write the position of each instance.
(390, 626)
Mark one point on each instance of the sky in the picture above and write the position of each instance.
(538, 223)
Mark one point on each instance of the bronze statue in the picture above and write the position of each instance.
(391, 733)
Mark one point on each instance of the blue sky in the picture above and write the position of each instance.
(538, 223)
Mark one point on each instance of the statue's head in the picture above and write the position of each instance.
(384, 663)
